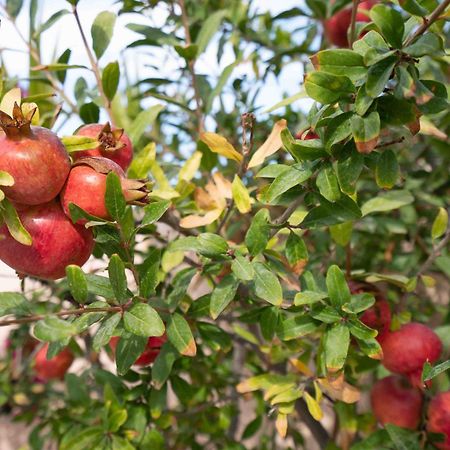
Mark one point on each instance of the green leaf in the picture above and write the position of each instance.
(6, 179)
(309, 297)
(363, 101)
(403, 439)
(128, 350)
(222, 295)
(222, 81)
(310, 149)
(295, 249)
(359, 303)
(326, 88)
(295, 175)
(99, 285)
(360, 330)
(258, 233)
(338, 129)
(142, 162)
(114, 199)
(13, 7)
(117, 277)
(336, 344)
(395, 111)
(427, 44)
(105, 332)
(379, 75)
(54, 18)
(52, 329)
(325, 314)
(209, 28)
(163, 365)
(142, 121)
(13, 223)
(241, 195)
(149, 272)
(328, 213)
(413, 7)
(268, 322)
(242, 268)
(211, 245)
(295, 327)
(84, 321)
(90, 113)
(342, 233)
(440, 224)
(429, 372)
(338, 290)
(13, 303)
(348, 171)
(79, 143)
(77, 283)
(110, 79)
(188, 52)
(340, 62)
(142, 320)
(366, 131)
(89, 437)
(102, 31)
(267, 285)
(390, 23)
(180, 335)
(327, 183)
(154, 211)
(387, 171)
(387, 201)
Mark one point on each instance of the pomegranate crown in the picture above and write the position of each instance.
(18, 124)
(110, 139)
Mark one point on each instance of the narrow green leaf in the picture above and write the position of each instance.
(154, 211)
(390, 22)
(267, 285)
(105, 332)
(211, 245)
(387, 171)
(77, 283)
(52, 329)
(149, 273)
(102, 31)
(379, 75)
(327, 88)
(180, 335)
(143, 120)
(222, 295)
(340, 62)
(366, 131)
(295, 249)
(114, 199)
(209, 28)
(13, 223)
(295, 175)
(258, 233)
(338, 290)
(242, 268)
(13, 303)
(348, 171)
(110, 79)
(440, 224)
(79, 143)
(327, 183)
(429, 372)
(295, 327)
(387, 201)
(241, 195)
(117, 277)
(308, 297)
(163, 365)
(128, 350)
(337, 341)
(142, 320)
(310, 149)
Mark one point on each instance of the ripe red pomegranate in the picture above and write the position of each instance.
(34, 157)
(378, 316)
(336, 27)
(86, 186)
(150, 353)
(439, 418)
(54, 368)
(307, 135)
(57, 242)
(406, 350)
(396, 402)
(114, 144)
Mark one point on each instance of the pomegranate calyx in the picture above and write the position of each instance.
(19, 124)
(110, 139)
(136, 191)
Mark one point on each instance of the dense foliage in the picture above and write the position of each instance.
(278, 254)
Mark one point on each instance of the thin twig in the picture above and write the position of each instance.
(434, 254)
(353, 22)
(389, 143)
(94, 65)
(68, 312)
(427, 22)
(191, 67)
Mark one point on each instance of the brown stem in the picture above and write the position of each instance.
(69, 312)
(94, 65)
(427, 22)
(353, 22)
(191, 66)
(388, 144)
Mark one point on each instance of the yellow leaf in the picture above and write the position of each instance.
(317, 391)
(340, 390)
(428, 281)
(313, 407)
(190, 168)
(426, 127)
(301, 367)
(194, 220)
(223, 185)
(281, 425)
(271, 145)
(220, 145)
(241, 196)
(203, 200)
(170, 260)
(8, 100)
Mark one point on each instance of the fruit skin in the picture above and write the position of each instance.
(396, 402)
(122, 156)
(307, 135)
(86, 187)
(57, 242)
(336, 26)
(377, 316)
(406, 350)
(150, 353)
(39, 164)
(54, 368)
(439, 418)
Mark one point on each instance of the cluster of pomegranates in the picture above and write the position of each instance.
(398, 399)
(47, 180)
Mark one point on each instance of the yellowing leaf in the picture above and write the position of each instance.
(220, 145)
(426, 127)
(223, 185)
(191, 166)
(240, 195)
(194, 220)
(271, 145)
(8, 100)
(313, 406)
(340, 390)
(301, 367)
(440, 224)
(281, 425)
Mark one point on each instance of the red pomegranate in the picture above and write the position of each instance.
(34, 157)
(57, 242)
(150, 353)
(406, 350)
(86, 186)
(54, 368)
(307, 135)
(396, 402)
(439, 418)
(114, 144)
(336, 27)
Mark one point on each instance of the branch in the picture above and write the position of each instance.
(434, 254)
(94, 65)
(427, 22)
(353, 22)
(69, 312)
